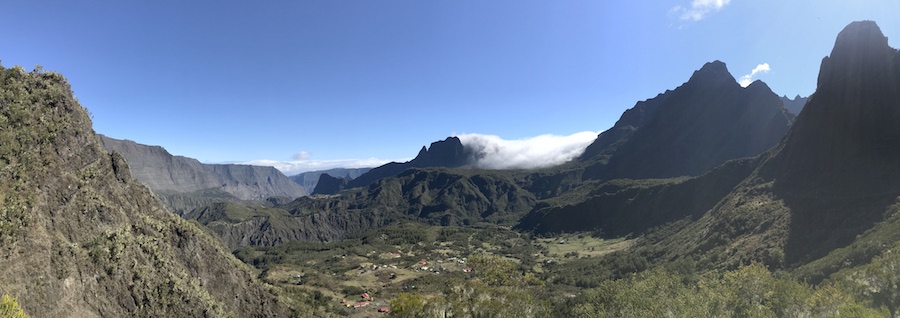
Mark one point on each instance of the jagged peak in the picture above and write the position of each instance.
(758, 85)
(715, 71)
(858, 35)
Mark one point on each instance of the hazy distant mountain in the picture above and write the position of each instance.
(832, 181)
(701, 124)
(448, 153)
(794, 105)
(185, 183)
(309, 179)
(81, 238)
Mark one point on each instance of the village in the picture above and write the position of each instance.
(360, 278)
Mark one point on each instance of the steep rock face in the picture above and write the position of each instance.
(185, 182)
(445, 197)
(329, 185)
(80, 238)
(685, 132)
(309, 179)
(448, 153)
(837, 169)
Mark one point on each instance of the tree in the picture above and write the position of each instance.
(408, 305)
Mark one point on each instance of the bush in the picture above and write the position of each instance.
(9, 308)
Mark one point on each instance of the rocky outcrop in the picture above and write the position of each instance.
(705, 122)
(80, 238)
(448, 153)
(185, 182)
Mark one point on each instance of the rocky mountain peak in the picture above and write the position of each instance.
(445, 153)
(701, 124)
(712, 73)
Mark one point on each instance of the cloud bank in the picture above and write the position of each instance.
(699, 9)
(300, 165)
(493, 152)
(747, 79)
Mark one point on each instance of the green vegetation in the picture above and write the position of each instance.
(570, 275)
(9, 308)
(749, 291)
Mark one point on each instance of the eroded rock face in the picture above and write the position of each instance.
(707, 121)
(89, 241)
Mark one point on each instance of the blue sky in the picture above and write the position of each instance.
(340, 80)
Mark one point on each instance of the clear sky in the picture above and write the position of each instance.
(328, 80)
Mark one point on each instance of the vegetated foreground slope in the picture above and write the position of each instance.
(185, 183)
(80, 238)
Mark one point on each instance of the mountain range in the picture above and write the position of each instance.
(829, 183)
(710, 174)
(687, 131)
(185, 183)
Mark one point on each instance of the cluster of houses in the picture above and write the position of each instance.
(365, 300)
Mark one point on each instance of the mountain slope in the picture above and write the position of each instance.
(80, 238)
(703, 123)
(185, 183)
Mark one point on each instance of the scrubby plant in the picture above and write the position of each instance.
(9, 308)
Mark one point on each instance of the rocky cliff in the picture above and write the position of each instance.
(80, 238)
(185, 183)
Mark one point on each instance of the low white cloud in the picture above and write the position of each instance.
(303, 155)
(293, 167)
(699, 9)
(493, 152)
(747, 79)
